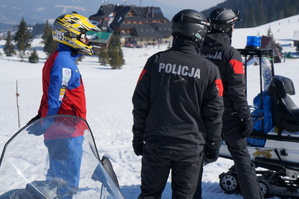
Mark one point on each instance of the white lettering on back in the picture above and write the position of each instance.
(179, 70)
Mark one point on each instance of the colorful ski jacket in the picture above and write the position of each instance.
(217, 48)
(63, 90)
(178, 100)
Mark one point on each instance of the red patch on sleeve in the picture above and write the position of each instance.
(219, 87)
(237, 66)
(141, 74)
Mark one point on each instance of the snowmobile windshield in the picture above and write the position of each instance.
(55, 157)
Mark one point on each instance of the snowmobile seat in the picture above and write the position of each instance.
(284, 110)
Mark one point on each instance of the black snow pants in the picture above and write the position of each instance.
(245, 168)
(156, 166)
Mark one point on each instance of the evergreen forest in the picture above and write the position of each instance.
(258, 12)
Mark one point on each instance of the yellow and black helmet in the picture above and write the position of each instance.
(69, 28)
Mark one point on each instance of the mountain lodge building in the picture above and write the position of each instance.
(135, 25)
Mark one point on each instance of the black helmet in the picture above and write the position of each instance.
(223, 19)
(190, 24)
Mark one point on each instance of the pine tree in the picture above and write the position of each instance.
(49, 44)
(33, 57)
(269, 32)
(9, 47)
(103, 56)
(260, 13)
(23, 39)
(116, 58)
(38, 29)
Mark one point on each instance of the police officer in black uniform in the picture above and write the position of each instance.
(237, 124)
(177, 111)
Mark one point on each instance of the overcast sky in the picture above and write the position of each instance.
(183, 4)
(174, 5)
(194, 4)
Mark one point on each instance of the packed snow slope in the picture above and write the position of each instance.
(109, 105)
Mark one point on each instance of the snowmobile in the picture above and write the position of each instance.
(26, 159)
(274, 142)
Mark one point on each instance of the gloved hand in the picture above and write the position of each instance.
(33, 119)
(212, 152)
(35, 127)
(39, 127)
(138, 142)
(247, 127)
(211, 155)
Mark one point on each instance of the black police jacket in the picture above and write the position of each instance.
(177, 102)
(217, 49)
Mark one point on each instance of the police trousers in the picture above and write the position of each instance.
(156, 167)
(245, 168)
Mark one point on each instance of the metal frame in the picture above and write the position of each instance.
(249, 53)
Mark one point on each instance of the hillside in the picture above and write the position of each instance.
(281, 29)
(258, 12)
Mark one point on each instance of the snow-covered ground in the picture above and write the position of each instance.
(109, 105)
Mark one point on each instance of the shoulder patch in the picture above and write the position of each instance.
(66, 76)
(237, 66)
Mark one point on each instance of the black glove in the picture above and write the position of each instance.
(247, 127)
(212, 152)
(33, 119)
(138, 142)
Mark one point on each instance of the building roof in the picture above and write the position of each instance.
(147, 30)
(98, 37)
(141, 21)
(104, 10)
